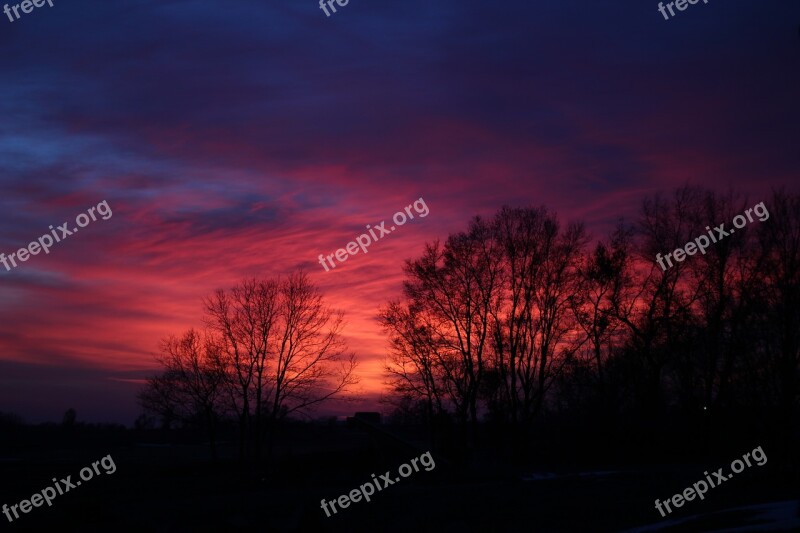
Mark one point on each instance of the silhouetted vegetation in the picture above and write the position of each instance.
(271, 348)
(517, 317)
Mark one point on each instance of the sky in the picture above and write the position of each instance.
(245, 138)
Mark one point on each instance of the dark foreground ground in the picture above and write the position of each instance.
(159, 487)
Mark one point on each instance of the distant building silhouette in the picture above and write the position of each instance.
(370, 417)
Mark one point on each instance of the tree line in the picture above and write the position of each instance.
(521, 313)
(518, 316)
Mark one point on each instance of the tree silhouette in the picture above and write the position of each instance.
(192, 384)
(493, 318)
(282, 348)
(272, 348)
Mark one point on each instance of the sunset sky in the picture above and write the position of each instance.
(245, 138)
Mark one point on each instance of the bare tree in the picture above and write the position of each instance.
(658, 307)
(453, 290)
(191, 384)
(414, 372)
(412, 364)
(712, 281)
(779, 238)
(535, 325)
(310, 364)
(605, 278)
(244, 318)
(487, 316)
(283, 351)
